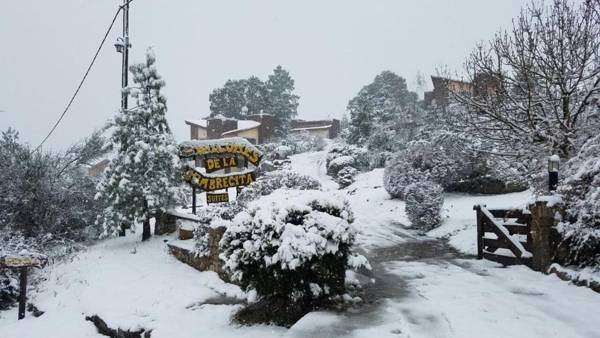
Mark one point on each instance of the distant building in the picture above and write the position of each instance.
(323, 128)
(257, 129)
(483, 85)
(442, 88)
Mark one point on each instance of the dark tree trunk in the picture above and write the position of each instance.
(146, 230)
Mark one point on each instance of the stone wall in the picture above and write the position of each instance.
(165, 224)
(212, 262)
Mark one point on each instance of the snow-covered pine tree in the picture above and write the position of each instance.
(283, 101)
(142, 179)
(385, 100)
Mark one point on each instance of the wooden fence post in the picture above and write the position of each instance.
(543, 235)
(22, 292)
(477, 209)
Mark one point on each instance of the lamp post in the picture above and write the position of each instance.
(553, 166)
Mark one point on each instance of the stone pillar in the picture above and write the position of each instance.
(544, 237)
(165, 224)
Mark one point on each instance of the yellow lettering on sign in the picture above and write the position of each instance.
(210, 164)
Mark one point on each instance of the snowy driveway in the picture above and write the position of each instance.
(423, 287)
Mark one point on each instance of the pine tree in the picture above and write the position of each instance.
(283, 101)
(142, 179)
(238, 98)
(385, 100)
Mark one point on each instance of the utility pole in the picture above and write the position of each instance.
(125, 54)
(122, 47)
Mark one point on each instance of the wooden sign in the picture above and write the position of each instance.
(216, 198)
(229, 146)
(20, 261)
(219, 163)
(212, 183)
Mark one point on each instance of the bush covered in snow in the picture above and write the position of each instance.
(274, 180)
(293, 247)
(45, 192)
(56, 248)
(424, 201)
(345, 177)
(293, 143)
(421, 161)
(343, 155)
(580, 229)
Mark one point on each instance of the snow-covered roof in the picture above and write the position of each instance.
(242, 126)
(216, 142)
(313, 128)
(198, 123)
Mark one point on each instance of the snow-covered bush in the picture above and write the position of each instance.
(580, 230)
(56, 248)
(282, 152)
(274, 180)
(342, 155)
(292, 247)
(211, 216)
(44, 192)
(338, 163)
(293, 143)
(345, 177)
(304, 142)
(424, 201)
(422, 160)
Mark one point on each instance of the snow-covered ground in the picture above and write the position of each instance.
(420, 286)
(130, 285)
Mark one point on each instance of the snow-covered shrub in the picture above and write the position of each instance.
(274, 180)
(424, 201)
(422, 160)
(292, 247)
(345, 177)
(580, 230)
(342, 155)
(293, 143)
(378, 159)
(304, 142)
(338, 163)
(56, 248)
(282, 152)
(44, 192)
(211, 216)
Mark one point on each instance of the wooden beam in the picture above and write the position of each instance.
(22, 292)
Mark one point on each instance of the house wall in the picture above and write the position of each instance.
(216, 127)
(324, 133)
(251, 134)
(201, 135)
(331, 132)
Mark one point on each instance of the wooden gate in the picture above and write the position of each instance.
(504, 235)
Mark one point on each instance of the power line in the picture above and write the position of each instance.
(84, 76)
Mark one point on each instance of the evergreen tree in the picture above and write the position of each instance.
(142, 179)
(229, 100)
(283, 101)
(256, 96)
(238, 98)
(387, 99)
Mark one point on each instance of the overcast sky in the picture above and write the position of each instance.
(331, 48)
